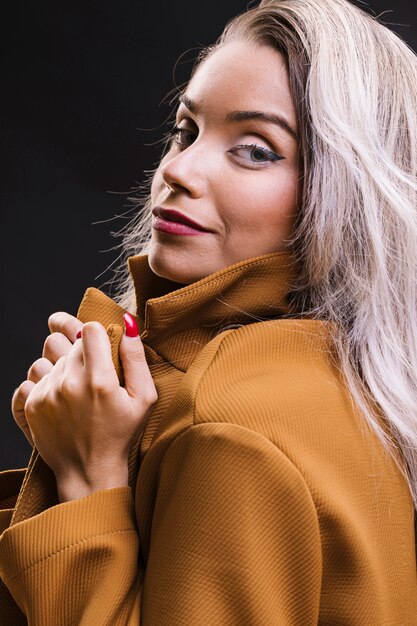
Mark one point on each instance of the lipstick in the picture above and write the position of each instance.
(175, 223)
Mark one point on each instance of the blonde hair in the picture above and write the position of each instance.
(354, 84)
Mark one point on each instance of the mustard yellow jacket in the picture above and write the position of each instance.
(257, 494)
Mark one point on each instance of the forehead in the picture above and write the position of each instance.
(243, 75)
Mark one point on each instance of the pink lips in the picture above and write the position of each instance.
(175, 223)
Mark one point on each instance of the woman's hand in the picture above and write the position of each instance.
(64, 329)
(81, 420)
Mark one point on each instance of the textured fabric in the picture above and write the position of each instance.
(10, 484)
(257, 494)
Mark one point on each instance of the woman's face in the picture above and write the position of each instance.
(232, 166)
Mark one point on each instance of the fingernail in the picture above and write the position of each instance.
(78, 334)
(131, 328)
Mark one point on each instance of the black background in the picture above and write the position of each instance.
(79, 80)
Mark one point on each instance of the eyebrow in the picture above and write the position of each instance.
(240, 116)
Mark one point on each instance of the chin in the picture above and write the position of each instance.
(172, 266)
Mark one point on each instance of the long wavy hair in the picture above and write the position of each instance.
(354, 85)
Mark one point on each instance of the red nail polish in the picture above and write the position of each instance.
(78, 334)
(131, 328)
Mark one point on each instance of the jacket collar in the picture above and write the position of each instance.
(177, 321)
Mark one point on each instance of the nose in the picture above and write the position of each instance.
(185, 172)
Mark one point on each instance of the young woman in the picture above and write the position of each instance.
(251, 456)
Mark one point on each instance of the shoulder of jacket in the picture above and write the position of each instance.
(257, 376)
(284, 338)
(261, 371)
(269, 346)
(282, 333)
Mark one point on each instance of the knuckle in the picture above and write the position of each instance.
(150, 396)
(32, 406)
(98, 384)
(69, 387)
(51, 340)
(93, 327)
(55, 321)
(52, 344)
(19, 396)
(29, 407)
(14, 401)
(24, 389)
(38, 368)
(64, 323)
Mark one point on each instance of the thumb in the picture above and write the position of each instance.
(138, 378)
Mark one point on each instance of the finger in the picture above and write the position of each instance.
(97, 357)
(20, 396)
(138, 378)
(56, 346)
(18, 407)
(68, 325)
(75, 358)
(55, 375)
(39, 369)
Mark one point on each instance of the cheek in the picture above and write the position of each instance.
(269, 200)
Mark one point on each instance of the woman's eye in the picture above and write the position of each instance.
(250, 153)
(181, 136)
(255, 154)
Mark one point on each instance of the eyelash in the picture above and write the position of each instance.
(174, 131)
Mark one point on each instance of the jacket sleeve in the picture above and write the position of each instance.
(10, 483)
(235, 537)
(234, 540)
(75, 563)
